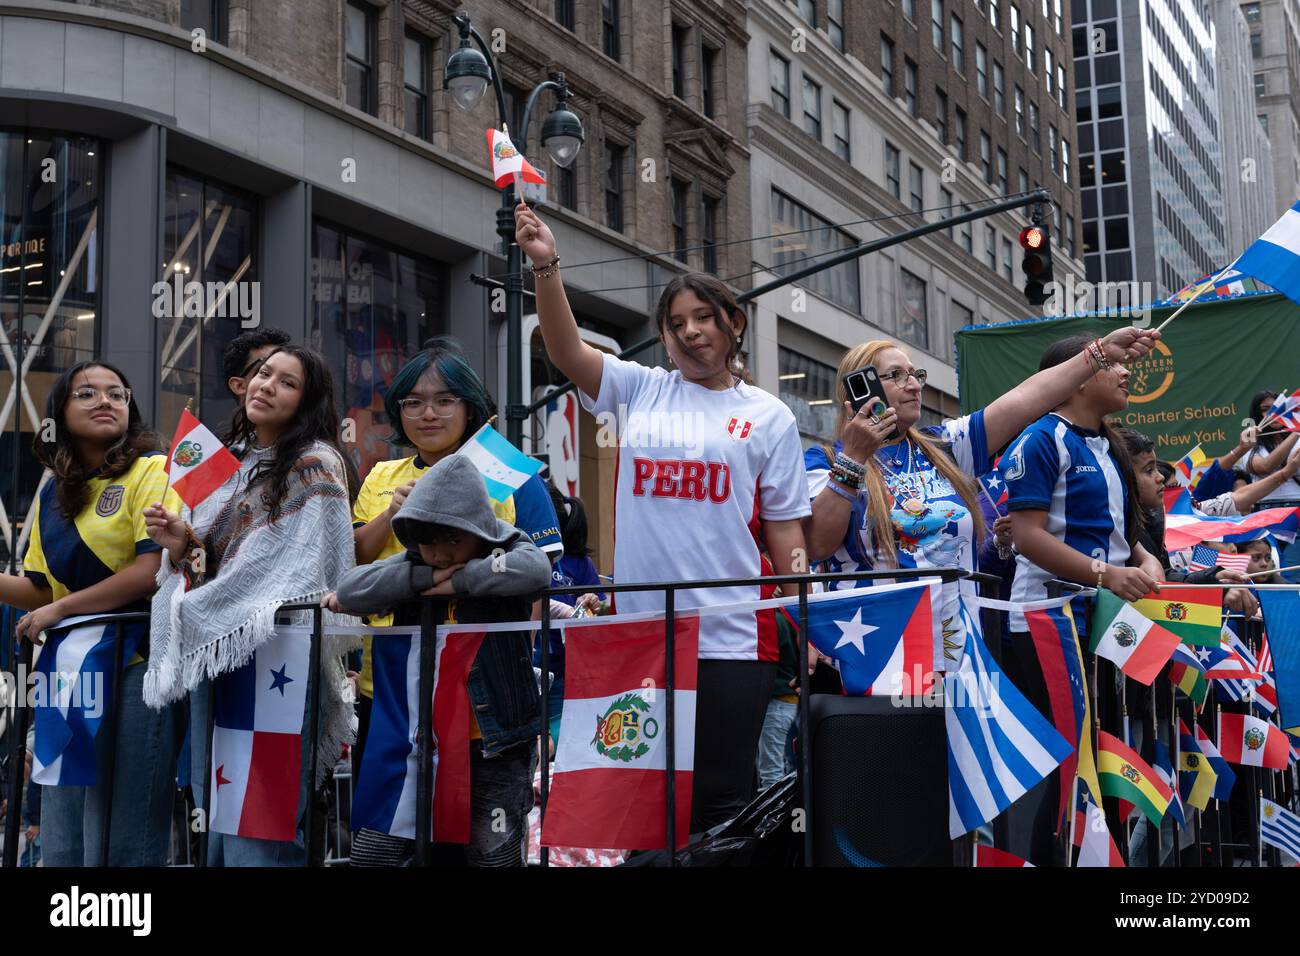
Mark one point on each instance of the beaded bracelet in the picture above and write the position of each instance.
(846, 463)
(1098, 355)
(548, 270)
(846, 479)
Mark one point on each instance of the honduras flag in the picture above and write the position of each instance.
(504, 467)
(999, 746)
(72, 689)
(882, 639)
(1274, 258)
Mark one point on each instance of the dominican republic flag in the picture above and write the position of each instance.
(610, 784)
(198, 464)
(991, 856)
(1186, 528)
(884, 640)
(1204, 557)
(1282, 618)
(384, 798)
(999, 746)
(1252, 742)
(257, 739)
(1274, 258)
(1056, 644)
(1133, 642)
(503, 466)
(73, 686)
(1279, 827)
(508, 163)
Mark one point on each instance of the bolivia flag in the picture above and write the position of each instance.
(610, 783)
(1122, 635)
(1125, 775)
(198, 464)
(1252, 742)
(1194, 614)
(1186, 673)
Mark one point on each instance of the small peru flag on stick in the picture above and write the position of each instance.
(198, 464)
(508, 163)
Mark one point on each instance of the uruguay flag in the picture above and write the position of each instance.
(882, 639)
(503, 466)
(1282, 618)
(999, 746)
(1274, 258)
(385, 796)
(73, 684)
(257, 739)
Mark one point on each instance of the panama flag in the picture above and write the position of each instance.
(384, 798)
(991, 856)
(1282, 618)
(503, 466)
(882, 639)
(72, 686)
(1252, 742)
(610, 783)
(1123, 635)
(1274, 258)
(198, 464)
(508, 162)
(257, 739)
(1186, 527)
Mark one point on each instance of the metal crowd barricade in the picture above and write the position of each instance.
(429, 642)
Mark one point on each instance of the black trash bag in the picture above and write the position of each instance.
(762, 834)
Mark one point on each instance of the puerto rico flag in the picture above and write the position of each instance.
(198, 464)
(1252, 742)
(609, 788)
(884, 640)
(257, 740)
(72, 685)
(385, 795)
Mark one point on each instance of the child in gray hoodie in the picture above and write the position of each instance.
(477, 569)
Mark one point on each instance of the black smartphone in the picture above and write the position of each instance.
(865, 388)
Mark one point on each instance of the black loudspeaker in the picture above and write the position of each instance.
(879, 783)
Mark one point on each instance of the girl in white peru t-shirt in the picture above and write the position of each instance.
(709, 475)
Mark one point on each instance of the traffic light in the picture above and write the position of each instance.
(1037, 264)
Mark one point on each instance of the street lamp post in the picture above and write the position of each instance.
(466, 77)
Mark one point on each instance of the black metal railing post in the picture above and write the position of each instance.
(105, 774)
(805, 727)
(313, 724)
(424, 775)
(17, 751)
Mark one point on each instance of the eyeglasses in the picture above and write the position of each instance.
(443, 407)
(88, 397)
(899, 376)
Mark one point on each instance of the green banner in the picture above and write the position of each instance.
(1194, 388)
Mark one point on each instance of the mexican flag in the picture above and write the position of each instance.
(610, 784)
(1194, 614)
(198, 464)
(1252, 742)
(1137, 645)
(1125, 775)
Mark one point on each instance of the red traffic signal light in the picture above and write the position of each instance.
(1032, 237)
(1037, 264)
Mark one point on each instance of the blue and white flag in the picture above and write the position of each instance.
(999, 746)
(1279, 827)
(383, 796)
(71, 695)
(1274, 258)
(1164, 768)
(503, 466)
(1282, 618)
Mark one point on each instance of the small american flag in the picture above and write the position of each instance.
(1204, 557)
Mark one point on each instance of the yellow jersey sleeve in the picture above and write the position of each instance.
(34, 563)
(369, 504)
(150, 486)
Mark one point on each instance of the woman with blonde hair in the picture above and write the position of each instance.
(891, 494)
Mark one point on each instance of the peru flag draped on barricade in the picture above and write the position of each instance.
(198, 464)
(384, 797)
(610, 779)
(258, 712)
(73, 677)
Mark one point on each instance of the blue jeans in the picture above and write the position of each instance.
(225, 849)
(773, 762)
(144, 790)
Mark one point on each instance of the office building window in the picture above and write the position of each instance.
(982, 70)
(1047, 71)
(1006, 258)
(1022, 182)
(1029, 47)
(615, 160)
(965, 233)
(840, 130)
(1060, 86)
(210, 16)
(986, 157)
(1019, 99)
(835, 23)
(808, 388)
(991, 248)
(564, 13)
(681, 196)
(1053, 150)
(936, 24)
(800, 233)
(808, 10)
(909, 9)
(1251, 12)
(779, 71)
(1261, 87)
(567, 185)
(1015, 29)
(1069, 236)
(945, 200)
(812, 108)
(995, 14)
(887, 63)
(999, 90)
(913, 320)
(709, 239)
(708, 77)
(916, 181)
(359, 51)
(959, 132)
(1035, 131)
(1003, 185)
(611, 41)
(941, 114)
(1065, 160)
(961, 316)
(679, 35)
(958, 50)
(893, 176)
(909, 86)
(415, 70)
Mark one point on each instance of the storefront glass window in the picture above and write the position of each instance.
(808, 388)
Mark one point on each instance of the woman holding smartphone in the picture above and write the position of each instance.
(890, 494)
